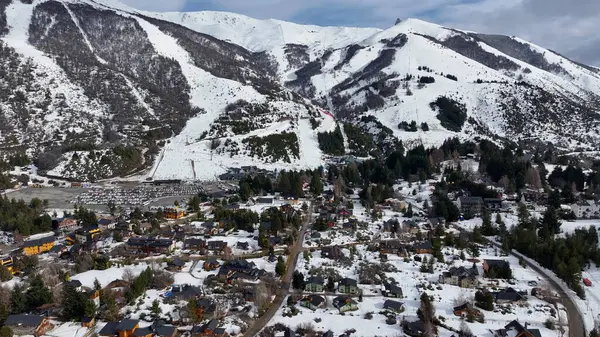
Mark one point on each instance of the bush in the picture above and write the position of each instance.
(451, 113)
(426, 79)
(452, 77)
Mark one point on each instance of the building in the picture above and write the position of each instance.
(489, 264)
(333, 253)
(209, 329)
(466, 309)
(25, 324)
(194, 244)
(89, 234)
(312, 302)
(8, 262)
(509, 295)
(174, 213)
(493, 204)
(434, 222)
(344, 303)
(393, 247)
(393, 306)
(38, 246)
(148, 245)
(124, 328)
(158, 329)
(348, 286)
(314, 284)
(470, 205)
(424, 247)
(107, 224)
(515, 329)
(211, 264)
(392, 290)
(216, 247)
(587, 209)
(460, 276)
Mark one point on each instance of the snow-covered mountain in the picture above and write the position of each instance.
(93, 89)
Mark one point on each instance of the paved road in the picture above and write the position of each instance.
(283, 291)
(576, 325)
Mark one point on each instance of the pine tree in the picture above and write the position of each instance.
(38, 294)
(156, 310)
(89, 308)
(97, 285)
(280, 267)
(316, 185)
(18, 300)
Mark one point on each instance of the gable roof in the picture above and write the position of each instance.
(127, 324)
(110, 329)
(315, 300)
(26, 320)
(315, 280)
(348, 282)
(518, 328)
(391, 304)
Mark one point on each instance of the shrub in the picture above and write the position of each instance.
(451, 113)
(426, 79)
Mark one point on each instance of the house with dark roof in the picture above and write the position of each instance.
(243, 245)
(314, 284)
(416, 328)
(490, 263)
(460, 276)
(392, 290)
(434, 222)
(312, 302)
(124, 328)
(509, 295)
(470, 205)
(392, 247)
(194, 244)
(150, 245)
(344, 303)
(333, 252)
(175, 264)
(393, 306)
(515, 329)
(208, 329)
(25, 324)
(106, 224)
(217, 247)
(466, 309)
(348, 286)
(157, 329)
(186, 292)
(211, 264)
(424, 247)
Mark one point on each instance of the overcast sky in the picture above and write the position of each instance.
(569, 27)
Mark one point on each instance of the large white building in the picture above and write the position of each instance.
(587, 209)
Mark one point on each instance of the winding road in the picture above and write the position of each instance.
(283, 291)
(576, 324)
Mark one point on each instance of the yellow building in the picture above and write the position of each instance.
(8, 262)
(174, 213)
(38, 246)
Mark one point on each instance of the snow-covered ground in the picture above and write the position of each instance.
(413, 282)
(106, 276)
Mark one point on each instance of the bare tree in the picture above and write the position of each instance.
(533, 179)
(462, 298)
(261, 296)
(465, 331)
(128, 275)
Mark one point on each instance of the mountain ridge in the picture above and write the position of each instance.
(97, 83)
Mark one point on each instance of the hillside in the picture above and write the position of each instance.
(95, 89)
